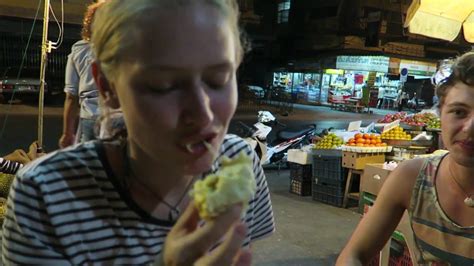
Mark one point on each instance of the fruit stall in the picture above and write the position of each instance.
(348, 168)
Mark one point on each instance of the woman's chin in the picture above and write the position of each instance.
(199, 167)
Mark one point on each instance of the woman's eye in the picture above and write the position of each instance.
(216, 85)
(459, 112)
(161, 89)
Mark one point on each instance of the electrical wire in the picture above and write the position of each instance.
(58, 43)
(7, 114)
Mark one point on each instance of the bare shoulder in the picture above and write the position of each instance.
(402, 180)
(409, 169)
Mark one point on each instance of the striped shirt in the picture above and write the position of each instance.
(9, 167)
(67, 208)
(439, 239)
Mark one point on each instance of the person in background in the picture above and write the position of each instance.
(12, 162)
(402, 99)
(435, 100)
(126, 200)
(437, 192)
(380, 97)
(82, 98)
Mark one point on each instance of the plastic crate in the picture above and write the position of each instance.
(328, 168)
(300, 187)
(329, 199)
(403, 260)
(329, 189)
(300, 172)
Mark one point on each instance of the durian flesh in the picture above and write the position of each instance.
(233, 183)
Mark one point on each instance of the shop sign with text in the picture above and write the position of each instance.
(418, 68)
(363, 63)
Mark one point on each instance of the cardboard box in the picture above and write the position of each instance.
(299, 156)
(373, 178)
(358, 161)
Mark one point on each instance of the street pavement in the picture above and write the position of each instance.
(307, 232)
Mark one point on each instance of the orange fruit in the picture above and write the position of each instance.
(358, 136)
(360, 140)
(351, 140)
(366, 136)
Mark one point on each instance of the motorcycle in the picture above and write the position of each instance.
(275, 151)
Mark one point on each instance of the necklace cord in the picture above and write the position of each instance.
(129, 176)
(457, 183)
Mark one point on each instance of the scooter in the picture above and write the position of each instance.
(274, 152)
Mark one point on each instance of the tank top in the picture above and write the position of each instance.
(439, 239)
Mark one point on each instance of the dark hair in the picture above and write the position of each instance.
(462, 71)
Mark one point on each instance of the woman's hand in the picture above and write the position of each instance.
(19, 156)
(34, 152)
(188, 244)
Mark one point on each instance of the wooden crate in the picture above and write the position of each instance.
(355, 160)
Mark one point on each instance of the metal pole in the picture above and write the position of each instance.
(45, 48)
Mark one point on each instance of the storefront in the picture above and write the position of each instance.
(344, 76)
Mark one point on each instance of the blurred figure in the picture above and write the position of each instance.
(81, 107)
(380, 97)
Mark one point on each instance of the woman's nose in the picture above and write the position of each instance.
(197, 109)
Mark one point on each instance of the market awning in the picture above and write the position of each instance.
(441, 19)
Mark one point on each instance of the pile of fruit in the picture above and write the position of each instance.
(6, 181)
(389, 118)
(434, 123)
(396, 133)
(366, 140)
(418, 120)
(330, 141)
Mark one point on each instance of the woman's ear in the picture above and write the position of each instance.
(106, 89)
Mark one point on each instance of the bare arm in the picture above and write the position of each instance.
(70, 120)
(375, 229)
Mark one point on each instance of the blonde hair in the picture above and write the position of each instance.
(115, 24)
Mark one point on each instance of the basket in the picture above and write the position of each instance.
(398, 142)
(403, 260)
(301, 172)
(300, 187)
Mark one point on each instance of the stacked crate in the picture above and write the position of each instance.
(329, 177)
(300, 179)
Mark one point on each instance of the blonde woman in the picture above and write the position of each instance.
(171, 68)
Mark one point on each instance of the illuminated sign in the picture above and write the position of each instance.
(418, 68)
(363, 63)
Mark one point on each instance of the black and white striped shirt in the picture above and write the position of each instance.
(9, 167)
(66, 208)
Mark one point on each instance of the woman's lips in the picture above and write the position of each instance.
(468, 146)
(198, 147)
